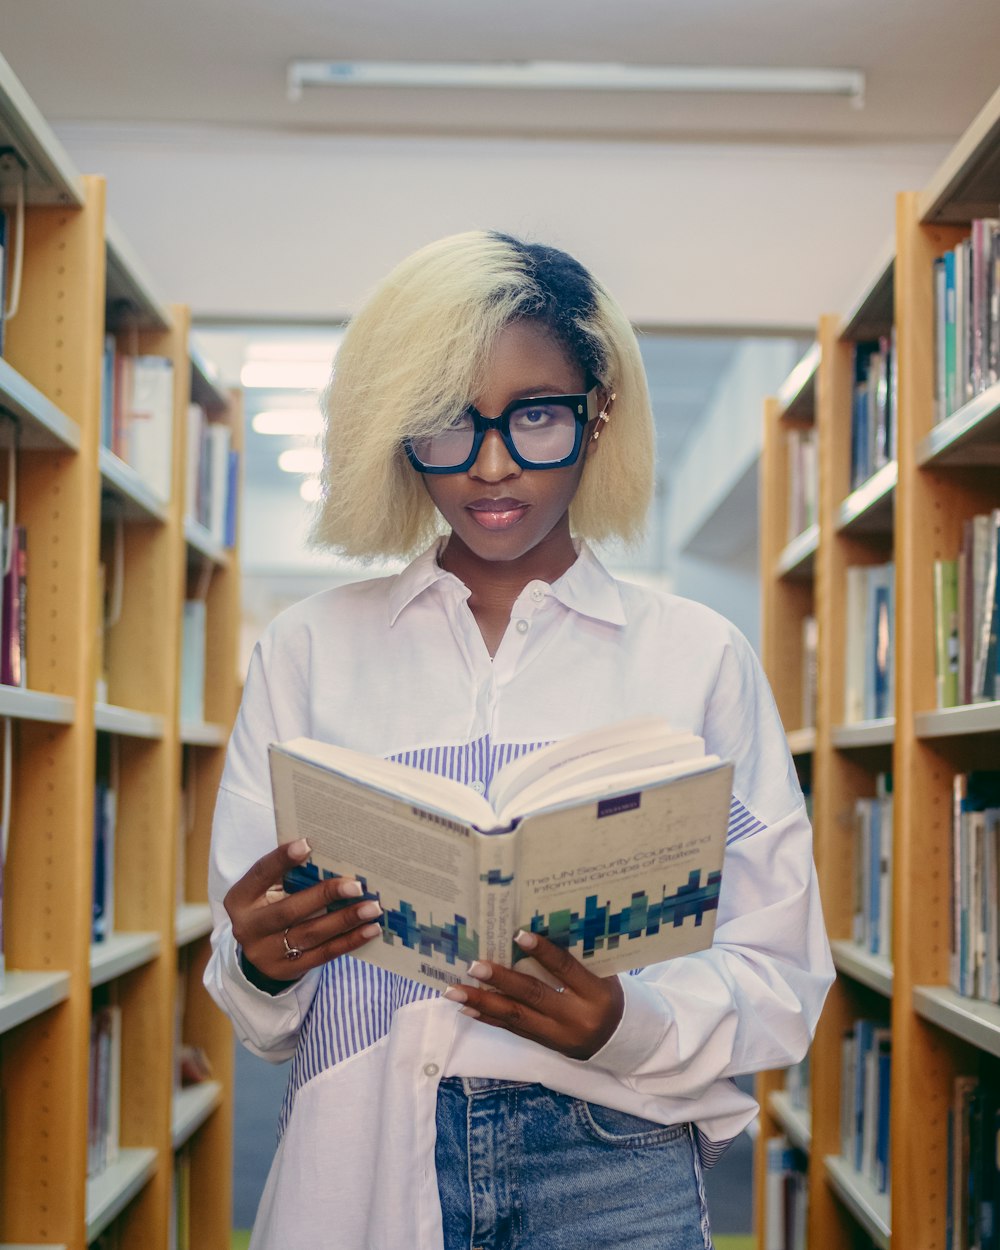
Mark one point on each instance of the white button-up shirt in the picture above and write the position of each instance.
(397, 667)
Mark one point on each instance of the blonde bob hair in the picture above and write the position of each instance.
(415, 356)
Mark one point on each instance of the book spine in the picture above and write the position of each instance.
(496, 922)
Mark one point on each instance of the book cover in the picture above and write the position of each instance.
(623, 868)
(193, 643)
(13, 656)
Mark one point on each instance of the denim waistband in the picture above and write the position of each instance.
(470, 1085)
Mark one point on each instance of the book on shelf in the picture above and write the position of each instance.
(14, 630)
(866, 1060)
(810, 670)
(3, 275)
(193, 642)
(967, 318)
(874, 406)
(179, 1231)
(869, 664)
(797, 1083)
(105, 821)
(967, 615)
(137, 413)
(803, 481)
(610, 843)
(104, 1112)
(786, 1196)
(872, 924)
(211, 476)
(972, 1213)
(975, 866)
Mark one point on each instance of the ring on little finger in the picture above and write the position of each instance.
(291, 952)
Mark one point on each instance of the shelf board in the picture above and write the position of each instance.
(194, 920)
(967, 183)
(202, 543)
(861, 965)
(41, 425)
(120, 953)
(110, 1192)
(802, 741)
(204, 388)
(795, 1122)
(871, 312)
(28, 994)
(975, 1022)
(859, 1195)
(954, 722)
(869, 508)
(191, 1108)
(797, 558)
(129, 294)
(129, 492)
(970, 436)
(203, 734)
(52, 178)
(123, 720)
(797, 394)
(26, 704)
(865, 733)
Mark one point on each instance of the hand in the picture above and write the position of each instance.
(265, 918)
(575, 1020)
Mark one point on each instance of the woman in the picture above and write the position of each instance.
(496, 386)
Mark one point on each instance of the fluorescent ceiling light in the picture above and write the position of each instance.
(310, 489)
(289, 422)
(301, 460)
(575, 76)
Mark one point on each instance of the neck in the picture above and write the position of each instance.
(496, 584)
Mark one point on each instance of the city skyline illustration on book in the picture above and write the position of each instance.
(609, 842)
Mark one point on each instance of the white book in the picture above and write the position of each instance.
(610, 843)
(193, 439)
(855, 651)
(150, 422)
(193, 661)
(215, 478)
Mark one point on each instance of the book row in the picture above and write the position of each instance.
(874, 406)
(872, 921)
(786, 1196)
(866, 1062)
(967, 318)
(803, 480)
(975, 937)
(966, 616)
(869, 661)
(973, 1205)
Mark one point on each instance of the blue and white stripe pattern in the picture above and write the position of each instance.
(355, 1001)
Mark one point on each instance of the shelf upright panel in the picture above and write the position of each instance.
(54, 343)
(929, 510)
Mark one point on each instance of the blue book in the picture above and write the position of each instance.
(882, 1127)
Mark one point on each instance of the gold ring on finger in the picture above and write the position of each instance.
(291, 952)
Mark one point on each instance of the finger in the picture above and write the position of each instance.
(261, 876)
(312, 902)
(526, 989)
(510, 1014)
(336, 947)
(566, 968)
(317, 930)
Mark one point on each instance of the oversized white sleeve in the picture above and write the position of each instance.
(752, 1000)
(242, 831)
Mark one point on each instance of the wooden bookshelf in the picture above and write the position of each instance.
(81, 281)
(911, 512)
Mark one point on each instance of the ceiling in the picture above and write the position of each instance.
(930, 67)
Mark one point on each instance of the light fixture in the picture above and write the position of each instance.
(285, 375)
(310, 489)
(301, 460)
(576, 76)
(289, 422)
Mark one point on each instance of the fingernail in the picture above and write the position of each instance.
(471, 1012)
(371, 930)
(274, 894)
(368, 911)
(526, 941)
(351, 889)
(455, 995)
(299, 849)
(481, 971)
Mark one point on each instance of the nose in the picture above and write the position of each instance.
(494, 462)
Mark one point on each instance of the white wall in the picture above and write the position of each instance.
(240, 223)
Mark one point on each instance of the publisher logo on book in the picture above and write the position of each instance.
(621, 803)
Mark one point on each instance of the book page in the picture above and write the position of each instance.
(420, 865)
(628, 880)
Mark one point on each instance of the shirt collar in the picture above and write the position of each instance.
(586, 587)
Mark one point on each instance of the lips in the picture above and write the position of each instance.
(497, 514)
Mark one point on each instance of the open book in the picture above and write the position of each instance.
(610, 843)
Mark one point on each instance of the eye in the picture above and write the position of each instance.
(535, 415)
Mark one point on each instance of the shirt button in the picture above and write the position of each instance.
(478, 786)
(522, 627)
(431, 1069)
(537, 594)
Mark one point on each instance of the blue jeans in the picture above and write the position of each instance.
(521, 1167)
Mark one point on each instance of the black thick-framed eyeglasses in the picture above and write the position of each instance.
(543, 432)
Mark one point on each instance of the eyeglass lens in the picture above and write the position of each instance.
(541, 433)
